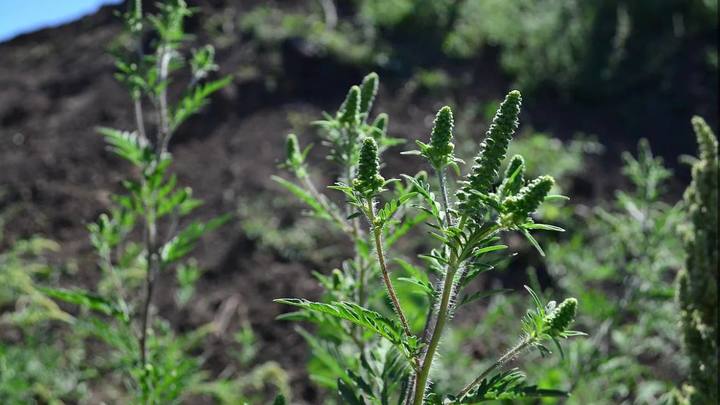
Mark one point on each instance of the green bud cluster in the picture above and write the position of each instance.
(492, 153)
(294, 157)
(349, 113)
(514, 176)
(368, 181)
(440, 150)
(518, 207)
(560, 319)
(379, 126)
(698, 281)
(368, 91)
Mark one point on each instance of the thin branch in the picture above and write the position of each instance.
(502, 360)
(163, 112)
(377, 236)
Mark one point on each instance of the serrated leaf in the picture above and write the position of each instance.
(507, 385)
(347, 394)
(86, 300)
(184, 242)
(305, 197)
(365, 318)
(196, 99)
(128, 145)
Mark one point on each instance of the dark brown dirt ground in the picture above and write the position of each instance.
(57, 85)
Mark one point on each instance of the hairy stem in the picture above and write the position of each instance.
(377, 236)
(443, 192)
(421, 379)
(445, 309)
(430, 319)
(525, 343)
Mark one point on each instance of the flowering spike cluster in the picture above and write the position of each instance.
(381, 123)
(368, 181)
(706, 139)
(698, 281)
(511, 185)
(368, 90)
(559, 320)
(519, 207)
(440, 150)
(492, 153)
(350, 109)
(294, 157)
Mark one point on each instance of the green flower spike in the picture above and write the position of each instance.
(379, 128)
(697, 294)
(368, 181)
(492, 153)
(706, 139)
(440, 150)
(528, 199)
(350, 110)
(514, 176)
(295, 158)
(381, 123)
(559, 320)
(369, 88)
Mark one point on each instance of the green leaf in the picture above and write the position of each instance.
(86, 300)
(128, 145)
(489, 249)
(179, 246)
(544, 227)
(346, 393)
(405, 227)
(507, 385)
(196, 99)
(354, 313)
(478, 295)
(280, 400)
(304, 196)
(532, 241)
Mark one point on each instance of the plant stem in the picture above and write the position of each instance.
(443, 192)
(502, 360)
(152, 268)
(377, 235)
(163, 116)
(140, 122)
(430, 319)
(422, 376)
(443, 313)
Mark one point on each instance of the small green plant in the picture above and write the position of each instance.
(619, 262)
(697, 282)
(386, 356)
(146, 232)
(35, 366)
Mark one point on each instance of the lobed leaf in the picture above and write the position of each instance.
(86, 300)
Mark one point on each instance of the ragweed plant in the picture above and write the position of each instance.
(619, 262)
(697, 283)
(146, 233)
(386, 356)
